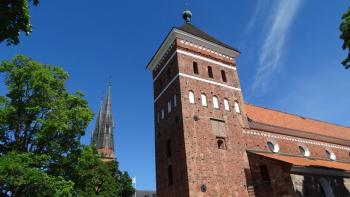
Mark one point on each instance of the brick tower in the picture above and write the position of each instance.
(199, 116)
(102, 135)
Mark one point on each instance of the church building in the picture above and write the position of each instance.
(210, 142)
(103, 134)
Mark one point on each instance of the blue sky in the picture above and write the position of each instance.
(290, 59)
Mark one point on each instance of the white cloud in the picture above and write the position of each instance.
(283, 13)
(258, 13)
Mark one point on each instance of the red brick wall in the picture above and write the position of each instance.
(196, 159)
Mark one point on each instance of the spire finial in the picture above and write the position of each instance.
(187, 15)
(110, 80)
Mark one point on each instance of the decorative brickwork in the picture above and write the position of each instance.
(208, 139)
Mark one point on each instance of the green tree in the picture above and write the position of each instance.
(20, 175)
(15, 18)
(40, 129)
(345, 36)
(94, 177)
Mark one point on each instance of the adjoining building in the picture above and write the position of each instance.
(145, 193)
(103, 134)
(209, 142)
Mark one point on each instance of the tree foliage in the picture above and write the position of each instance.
(345, 36)
(20, 175)
(15, 18)
(40, 129)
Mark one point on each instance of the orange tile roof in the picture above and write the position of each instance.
(305, 162)
(290, 121)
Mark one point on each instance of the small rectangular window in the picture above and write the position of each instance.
(195, 68)
(169, 106)
(223, 75)
(264, 173)
(210, 72)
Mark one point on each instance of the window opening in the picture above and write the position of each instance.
(226, 105)
(223, 75)
(170, 175)
(238, 110)
(191, 96)
(168, 149)
(215, 102)
(221, 143)
(204, 100)
(195, 68)
(210, 72)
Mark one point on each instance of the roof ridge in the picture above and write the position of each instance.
(204, 35)
(302, 117)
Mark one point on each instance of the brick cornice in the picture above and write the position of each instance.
(297, 133)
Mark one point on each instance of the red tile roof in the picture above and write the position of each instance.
(290, 121)
(305, 162)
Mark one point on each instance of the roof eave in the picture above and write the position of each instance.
(177, 33)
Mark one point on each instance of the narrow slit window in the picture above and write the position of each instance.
(226, 105)
(191, 96)
(170, 175)
(210, 72)
(215, 102)
(195, 68)
(204, 100)
(168, 149)
(223, 75)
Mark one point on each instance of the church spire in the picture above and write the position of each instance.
(103, 134)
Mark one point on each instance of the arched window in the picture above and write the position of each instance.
(304, 151)
(215, 102)
(273, 147)
(221, 143)
(162, 114)
(330, 154)
(169, 106)
(226, 105)
(238, 110)
(204, 100)
(174, 100)
(191, 96)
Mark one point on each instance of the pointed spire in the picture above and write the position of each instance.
(103, 132)
(98, 123)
